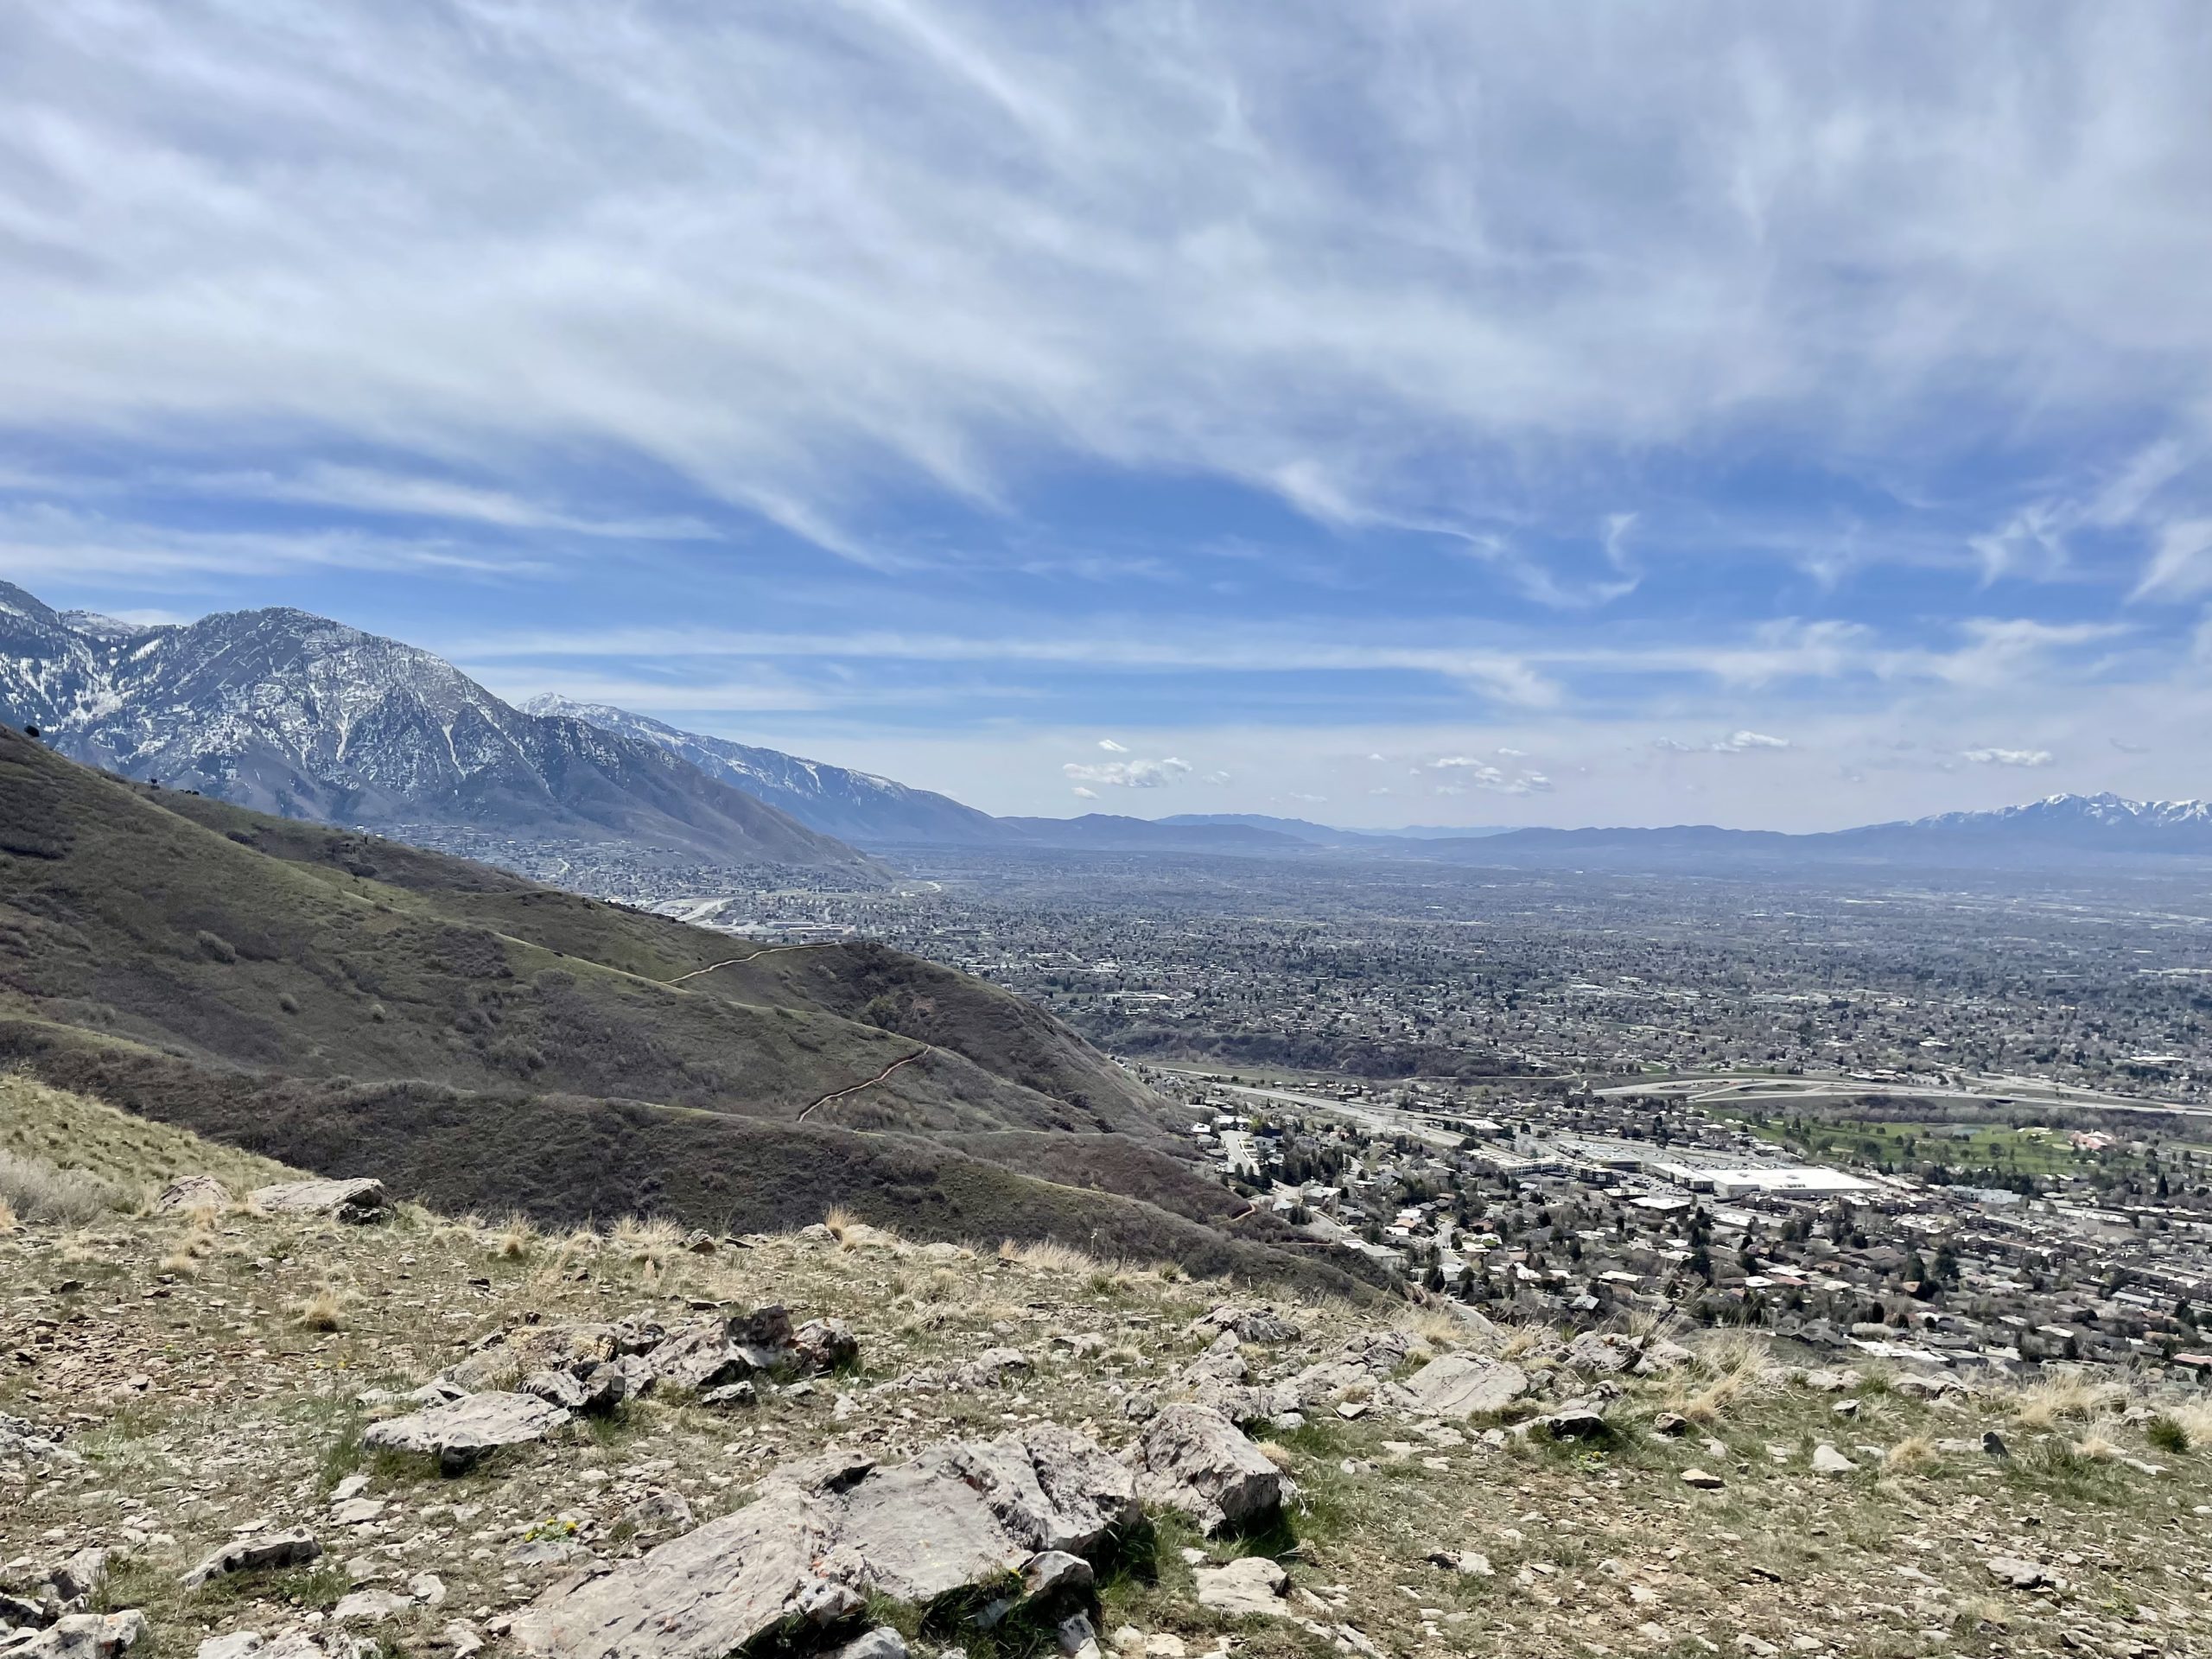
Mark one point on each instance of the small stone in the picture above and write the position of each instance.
(2015, 1573)
(1053, 1573)
(1252, 1584)
(1827, 1460)
(1703, 1481)
(369, 1606)
(236, 1645)
(660, 1512)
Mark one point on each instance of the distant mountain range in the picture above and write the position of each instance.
(294, 715)
(2058, 829)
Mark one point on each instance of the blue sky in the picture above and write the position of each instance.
(1404, 413)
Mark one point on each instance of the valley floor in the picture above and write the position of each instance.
(204, 1371)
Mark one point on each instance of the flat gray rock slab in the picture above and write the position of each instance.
(257, 1554)
(356, 1200)
(959, 1514)
(191, 1191)
(85, 1635)
(1460, 1385)
(459, 1433)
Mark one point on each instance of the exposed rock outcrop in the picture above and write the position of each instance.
(962, 1515)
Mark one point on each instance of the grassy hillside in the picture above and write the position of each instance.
(865, 985)
(567, 1161)
(211, 1372)
(349, 1005)
(174, 927)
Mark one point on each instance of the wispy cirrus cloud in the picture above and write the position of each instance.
(957, 226)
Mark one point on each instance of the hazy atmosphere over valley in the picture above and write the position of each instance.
(1139, 830)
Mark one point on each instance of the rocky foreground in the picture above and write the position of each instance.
(246, 1413)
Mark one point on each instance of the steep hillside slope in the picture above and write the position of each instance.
(311, 993)
(289, 712)
(118, 912)
(852, 805)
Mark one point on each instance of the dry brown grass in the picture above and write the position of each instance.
(2057, 1395)
(38, 1191)
(1437, 1328)
(1049, 1255)
(323, 1310)
(7, 1218)
(1735, 1366)
(1518, 1338)
(650, 1240)
(1915, 1452)
(2097, 1443)
(842, 1222)
(1277, 1453)
(191, 1251)
(1648, 1324)
(516, 1238)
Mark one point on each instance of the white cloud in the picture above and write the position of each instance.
(1130, 774)
(1111, 747)
(1737, 742)
(2008, 756)
(1464, 770)
(2181, 560)
(1082, 794)
(929, 231)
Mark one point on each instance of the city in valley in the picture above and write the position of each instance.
(1930, 1118)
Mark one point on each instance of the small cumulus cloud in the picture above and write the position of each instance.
(1130, 774)
(1738, 742)
(2008, 756)
(1111, 747)
(1082, 794)
(1464, 772)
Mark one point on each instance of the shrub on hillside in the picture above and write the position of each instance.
(37, 1190)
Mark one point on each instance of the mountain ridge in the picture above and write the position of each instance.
(840, 801)
(296, 714)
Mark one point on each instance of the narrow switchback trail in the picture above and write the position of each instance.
(855, 1089)
(731, 962)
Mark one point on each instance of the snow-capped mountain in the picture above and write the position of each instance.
(851, 805)
(2099, 820)
(293, 714)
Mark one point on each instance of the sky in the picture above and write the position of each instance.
(1387, 414)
